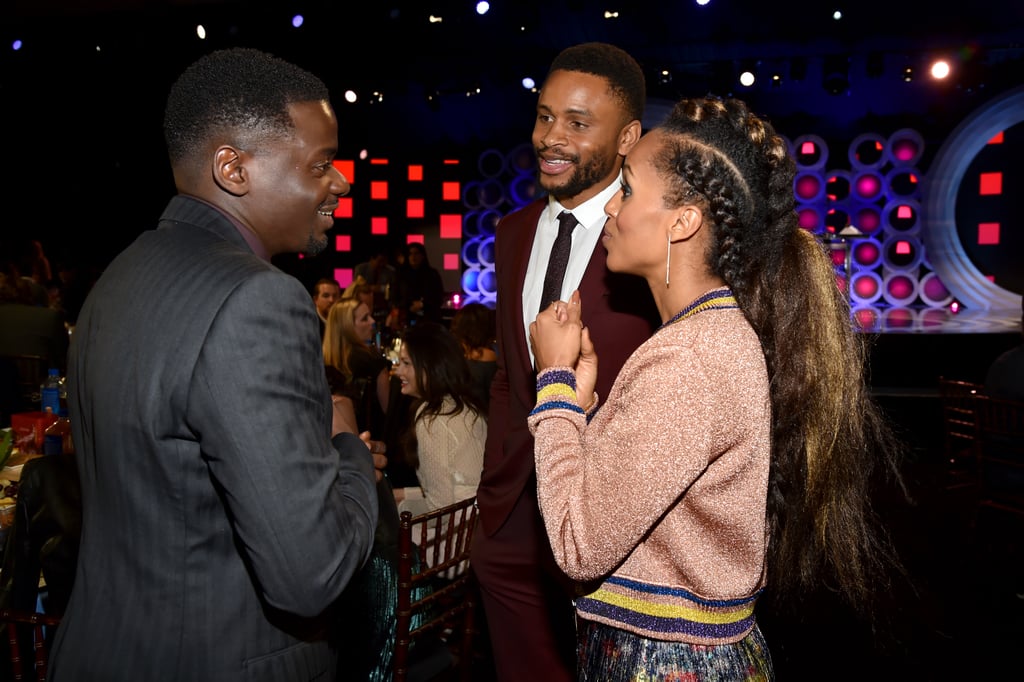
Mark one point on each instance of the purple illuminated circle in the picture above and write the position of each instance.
(868, 219)
(469, 281)
(865, 288)
(900, 287)
(866, 254)
(899, 318)
(935, 289)
(866, 318)
(809, 219)
(808, 187)
(905, 150)
(868, 186)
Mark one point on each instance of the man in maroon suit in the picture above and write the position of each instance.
(588, 117)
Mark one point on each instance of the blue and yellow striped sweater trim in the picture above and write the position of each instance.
(668, 612)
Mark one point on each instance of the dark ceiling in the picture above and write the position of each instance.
(390, 47)
(83, 99)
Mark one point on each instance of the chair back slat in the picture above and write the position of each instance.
(1000, 448)
(435, 595)
(19, 625)
(959, 428)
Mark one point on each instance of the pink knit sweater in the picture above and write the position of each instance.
(663, 494)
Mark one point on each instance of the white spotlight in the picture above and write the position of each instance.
(747, 78)
(940, 69)
(483, 7)
(201, 31)
(350, 96)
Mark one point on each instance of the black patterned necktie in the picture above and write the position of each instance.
(558, 260)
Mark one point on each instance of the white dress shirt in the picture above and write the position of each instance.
(591, 217)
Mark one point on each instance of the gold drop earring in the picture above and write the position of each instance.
(668, 258)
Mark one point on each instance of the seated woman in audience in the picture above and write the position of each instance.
(347, 348)
(473, 326)
(368, 605)
(445, 441)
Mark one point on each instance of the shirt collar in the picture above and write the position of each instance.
(591, 212)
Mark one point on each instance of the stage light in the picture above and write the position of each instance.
(482, 8)
(908, 74)
(747, 78)
(201, 31)
(529, 83)
(664, 76)
(350, 96)
(297, 20)
(940, 69)
(954, 307)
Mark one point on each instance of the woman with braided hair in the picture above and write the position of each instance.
(760, 437)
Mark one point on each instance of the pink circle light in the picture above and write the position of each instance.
(901, 287)
(865, 287)
(866, 253)
(808, 187)
(868, 186)
(808, 218)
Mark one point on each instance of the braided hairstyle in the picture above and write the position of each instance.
(828, 438)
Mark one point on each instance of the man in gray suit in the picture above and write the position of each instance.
(223, 513)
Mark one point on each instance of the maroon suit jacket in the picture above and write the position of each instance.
(621, 315)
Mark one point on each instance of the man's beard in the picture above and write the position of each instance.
(315, 246)
(582, 178)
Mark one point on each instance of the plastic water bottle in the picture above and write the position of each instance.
(52, 391)
(57, 437)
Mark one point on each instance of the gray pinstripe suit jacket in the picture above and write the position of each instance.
(219, 520)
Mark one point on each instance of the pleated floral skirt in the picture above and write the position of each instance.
(609, 654)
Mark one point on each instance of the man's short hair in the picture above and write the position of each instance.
(612, 63)
(242, 90)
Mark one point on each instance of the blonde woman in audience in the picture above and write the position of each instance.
(347, 348)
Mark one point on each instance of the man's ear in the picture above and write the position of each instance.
(229, 171)
(629, 136)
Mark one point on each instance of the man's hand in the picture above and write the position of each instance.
(377, 448)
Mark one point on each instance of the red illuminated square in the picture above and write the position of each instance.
(988, 233)
(902, 248)
(343, 243)
(450, 191)
(414, 208)
(378, 225)
(414, 239)
(997, 138)
(451, 226)
(346, 167)
(344, 209)
(415, 172)
(991, 183)
(378, 162)
(451, 162)
(343, 276)
(379, 189)
(452, 261)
